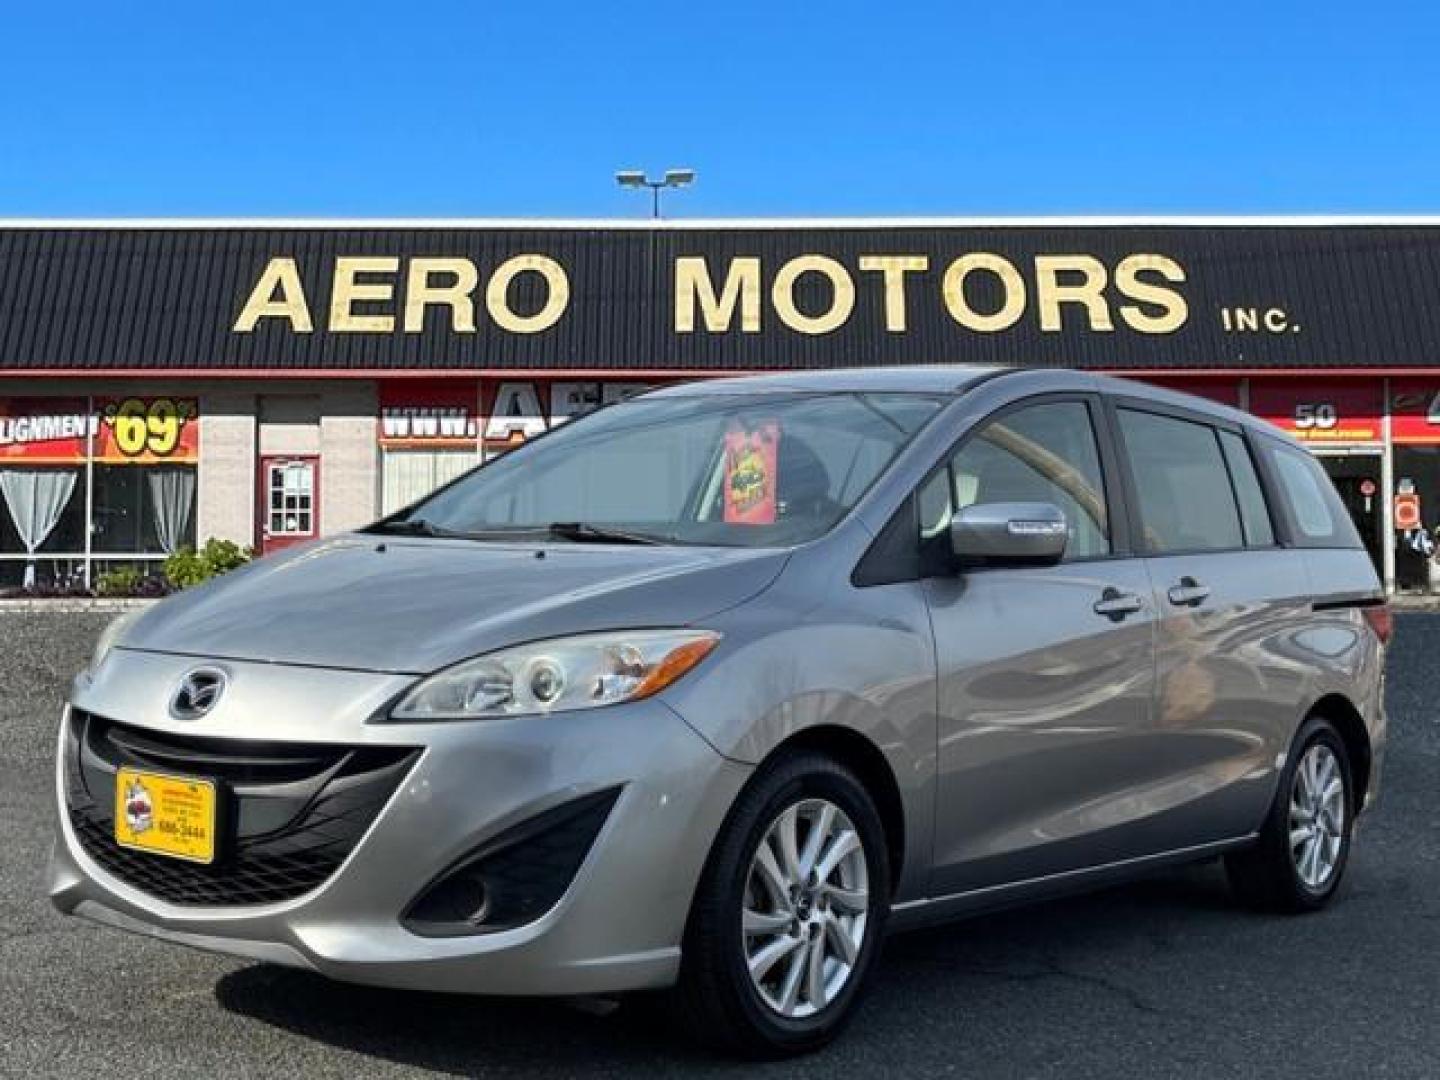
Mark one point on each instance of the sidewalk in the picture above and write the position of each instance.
(1415, 602)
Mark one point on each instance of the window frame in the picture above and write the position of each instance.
(1135, 524)
(1106, 448)
(1266, 499)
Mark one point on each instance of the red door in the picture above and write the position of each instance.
(289, 511)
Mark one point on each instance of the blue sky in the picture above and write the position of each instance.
(358, 108)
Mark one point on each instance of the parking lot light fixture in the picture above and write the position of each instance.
(672, 178)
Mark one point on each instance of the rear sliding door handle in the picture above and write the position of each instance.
(1188, 593)
(1115, 605)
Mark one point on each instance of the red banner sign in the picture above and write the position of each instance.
(119, 431)
(1415, 411)
(1321, 410)
(425, 414)
(1223, 390)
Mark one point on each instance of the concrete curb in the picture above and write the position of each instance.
(1415, 603)
(73, 605)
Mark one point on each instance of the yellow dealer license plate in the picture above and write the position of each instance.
(167, 815)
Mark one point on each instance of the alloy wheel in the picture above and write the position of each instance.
(1317, 816)
(806, 907)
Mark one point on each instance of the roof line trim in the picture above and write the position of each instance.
(685, 224)
(601, 374)
(587, 374)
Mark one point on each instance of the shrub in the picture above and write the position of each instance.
(189, 567)
(121, 581)
(131, 581)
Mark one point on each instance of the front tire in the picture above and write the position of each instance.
(1304, 845)
(787, 920)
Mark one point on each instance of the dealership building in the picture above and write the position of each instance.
(162, 382)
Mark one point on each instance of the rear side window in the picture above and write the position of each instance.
(1254, 514)
(1320, 517)
(1182, 483)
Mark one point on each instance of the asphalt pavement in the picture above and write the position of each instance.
(1164, 978)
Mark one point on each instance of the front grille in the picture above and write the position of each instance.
(291, 812)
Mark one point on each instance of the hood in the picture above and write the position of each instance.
(416, 605)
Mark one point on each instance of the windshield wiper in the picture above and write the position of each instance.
(416, 527)
(583, 532)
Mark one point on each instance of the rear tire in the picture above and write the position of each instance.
(1304, 844)
(789, 914)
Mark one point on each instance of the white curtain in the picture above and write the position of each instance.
(36, 498)
(172, 495)
(410, 474)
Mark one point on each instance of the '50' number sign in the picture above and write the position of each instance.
(152, 426)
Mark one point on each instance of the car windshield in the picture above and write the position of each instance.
(727, 469)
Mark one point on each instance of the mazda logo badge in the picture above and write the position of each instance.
(199, 692)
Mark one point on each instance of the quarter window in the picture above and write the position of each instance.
(1040, 453)
(1183, 486)
(1319, 515)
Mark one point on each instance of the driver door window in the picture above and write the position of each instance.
(1045, 452)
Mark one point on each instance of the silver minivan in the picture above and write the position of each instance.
(712, 688)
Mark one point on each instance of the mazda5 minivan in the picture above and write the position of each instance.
(712, 688)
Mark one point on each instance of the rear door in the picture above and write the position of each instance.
(1045, 673)
(1229, 600)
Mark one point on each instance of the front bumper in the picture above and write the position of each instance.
(617, 927)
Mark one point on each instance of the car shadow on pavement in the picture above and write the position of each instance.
(943, 981)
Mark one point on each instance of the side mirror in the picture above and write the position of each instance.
(1026, 533)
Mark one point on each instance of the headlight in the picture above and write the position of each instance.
(581, 672)
(110, 636)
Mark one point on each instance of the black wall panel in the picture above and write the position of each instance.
(167, 298)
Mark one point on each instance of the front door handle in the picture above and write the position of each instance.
(1188, 593)
(1115, 605)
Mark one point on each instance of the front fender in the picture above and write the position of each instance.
(865, 663)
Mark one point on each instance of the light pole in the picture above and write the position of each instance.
(673, 178)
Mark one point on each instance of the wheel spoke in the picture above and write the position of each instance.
(1297, 836)
(1324, 771)
(1333, 792)
(771, 874)
(840, 940)
(815, 992)
(848, 901)
(766, 922)
(819, 833)
(1312, 780)
(794, 977)
(770, 955)
(786, 833)
(842, 845)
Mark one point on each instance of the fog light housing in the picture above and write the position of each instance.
(513, 878)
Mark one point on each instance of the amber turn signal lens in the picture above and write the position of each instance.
(676, 663)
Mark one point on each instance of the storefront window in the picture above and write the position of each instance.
(410, 475)
(1417, 531)
(143, 509)
(129, 464)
